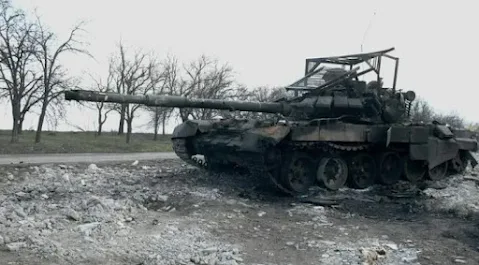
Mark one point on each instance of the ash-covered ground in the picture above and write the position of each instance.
(168, 213)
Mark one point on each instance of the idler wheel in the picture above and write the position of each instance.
(459, 163)
(414, 170)
(332, 172)
(438, 172)
(297, 173)
(390, 168)
(362, 171)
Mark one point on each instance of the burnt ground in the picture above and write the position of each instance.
(168, 213)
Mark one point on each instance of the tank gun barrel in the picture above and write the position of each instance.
(177, 101)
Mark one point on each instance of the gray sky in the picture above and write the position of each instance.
(266, 42)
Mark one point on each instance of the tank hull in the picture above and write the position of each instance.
(369, 153)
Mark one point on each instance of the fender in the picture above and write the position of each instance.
(191, 128)
(262, 138)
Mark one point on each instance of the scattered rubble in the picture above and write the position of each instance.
(74, 214)
(460, 196)
(369, 252)
(156, 214)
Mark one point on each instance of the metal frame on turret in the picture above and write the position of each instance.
(372, 60)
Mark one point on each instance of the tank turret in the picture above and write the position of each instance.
(348, 98)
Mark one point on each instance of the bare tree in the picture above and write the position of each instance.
(157, 112)
(170, 84)
(115, 82)
(258, 94)
(136, 75)
(474, 126)
(452, 119)
(54, 76)
(100, 106)
(159, 117)
(124, 71)
(205, 78)
(18, 80)
(120, 85)
(421, 111)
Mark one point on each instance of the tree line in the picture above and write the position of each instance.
(422, 111)
(33, 78)
(137, 72)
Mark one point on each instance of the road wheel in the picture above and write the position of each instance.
(414, 170)
(438, 172)
(459, 163)
(390, 168)
(332, 172)
(362, 171)
(297, 173)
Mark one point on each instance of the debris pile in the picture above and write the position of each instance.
(370, 252)
(136, 213)
(93, 214)
(458, 194)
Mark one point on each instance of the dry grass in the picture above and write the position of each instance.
(83, 142)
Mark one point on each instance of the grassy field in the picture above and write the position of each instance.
(83, 142)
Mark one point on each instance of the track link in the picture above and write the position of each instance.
(256, 166)
(180, 146)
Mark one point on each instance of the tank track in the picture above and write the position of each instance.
(258, 166)
(181, 150)
(314, 148)
(255, 165)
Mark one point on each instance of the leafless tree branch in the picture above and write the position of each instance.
(55, 78)
(135, 73)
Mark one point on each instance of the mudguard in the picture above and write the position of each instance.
(467, 144)
(262, 138)
(443, 132)
(191, 128)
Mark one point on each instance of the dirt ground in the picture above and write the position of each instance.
(166, 212)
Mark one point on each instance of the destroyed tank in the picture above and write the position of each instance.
(335, 131)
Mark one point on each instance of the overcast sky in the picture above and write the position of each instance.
(266, 42)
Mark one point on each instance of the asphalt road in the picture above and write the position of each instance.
(82, 158)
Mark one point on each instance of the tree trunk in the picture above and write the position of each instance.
(155, 136)
(16, 120)
(22, 119)
(128, 130)
(156, 125)
(20, 126)
(163, 122)
(121, 127)
(41, 119)
(15, 133)
(100, 124)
